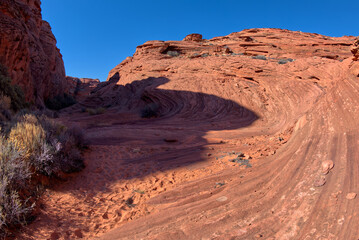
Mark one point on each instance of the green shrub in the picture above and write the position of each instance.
(173, 53)
(60, 102)
(14, 92)
(260, 57)
(284, 61)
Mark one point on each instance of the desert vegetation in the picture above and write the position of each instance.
(32, 148)
(95, 111)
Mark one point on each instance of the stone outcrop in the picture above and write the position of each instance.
(355, 50)
(81, 88)
(28, 50)
(168, 58)
(193, 37)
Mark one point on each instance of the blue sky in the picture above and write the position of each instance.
(96, 35)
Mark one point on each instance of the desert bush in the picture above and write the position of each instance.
(14, 172)
(14, 92)
(27, 136)
(173, 53)
(33, 146)
(284, 61)
(62, 149)
(95, 111)
(260, 57)
(60, 102)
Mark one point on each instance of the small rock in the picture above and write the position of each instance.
(351, 196)
(320, 182)
(258, 235)
(327, 166)
(136, 150)
(105, 216)
(222, 199)
(246, 156)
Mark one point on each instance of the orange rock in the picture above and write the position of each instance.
(351, 196)
(193, 37)
(327, 166)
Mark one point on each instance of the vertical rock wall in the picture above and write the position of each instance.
(28, 50)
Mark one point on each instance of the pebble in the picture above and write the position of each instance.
(327, 165)
(222, 199)
(320, 182)
(351, 196)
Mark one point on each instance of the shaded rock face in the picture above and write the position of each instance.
(28, 50)
(80, 88)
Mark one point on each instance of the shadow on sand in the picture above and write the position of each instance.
(163, 128)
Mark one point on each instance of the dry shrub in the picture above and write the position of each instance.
(34, 146)
(14, 173)
(96, 111)
(27, 136)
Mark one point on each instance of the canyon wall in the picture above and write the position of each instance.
(28, 50)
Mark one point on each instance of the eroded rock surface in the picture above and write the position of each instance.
(355, 50)
(28, 49)
(250, 135)
(81, 88)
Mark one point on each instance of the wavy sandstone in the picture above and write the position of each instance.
(254, 135)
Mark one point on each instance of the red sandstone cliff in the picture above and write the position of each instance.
(28, 49)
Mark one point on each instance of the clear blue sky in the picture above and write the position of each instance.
(96, 35)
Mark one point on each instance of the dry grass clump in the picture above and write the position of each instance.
(96, 111)
(27, 136)
(33, 146)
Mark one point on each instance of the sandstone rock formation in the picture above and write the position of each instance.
(28, 49)
(80, 88)
(250, 135)
(193, 37)
(355, 50)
